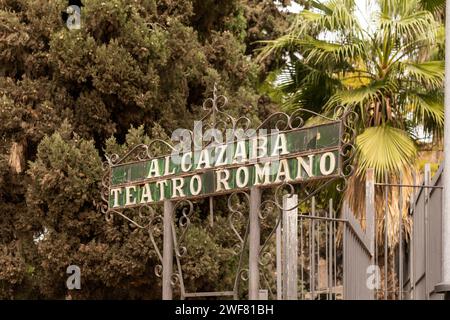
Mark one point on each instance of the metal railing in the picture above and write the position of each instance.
(358, 257)
(333, 254)
(410, 258)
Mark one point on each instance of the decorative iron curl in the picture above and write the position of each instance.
(265, 258)
(275, 205)
(236, 210)
(187, 210)
(277, 120)
(348, 150)
(282, 121)
(221, 120)
(139, 152)
(158, 270)
(175, 279)
(277, 202)
(243, 274)
(153, 228)
(297, 122)
(156, 220)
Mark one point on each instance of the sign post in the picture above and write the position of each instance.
(290, 247)
(254, 243)
(167, 251)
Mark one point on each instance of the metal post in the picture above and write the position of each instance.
(279, 262)
(426, 191)
(370, 210)
(167, 251)
(370, 214)
(386, 226)
(345, 247)
(312, 256)
(263, 294)
(400, 239)
(290, 247)
(211, 211)
(444, 286)
(254, 243)
(413, 241)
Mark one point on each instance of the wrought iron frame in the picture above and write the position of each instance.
(217, 118)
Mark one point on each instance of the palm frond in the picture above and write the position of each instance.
(402, 20)
(283, 43)
(385, 149)
(372, 92)
(322, 50)
(429, 73)
(433, 5)
(428, 111)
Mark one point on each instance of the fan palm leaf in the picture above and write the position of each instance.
(385, 149)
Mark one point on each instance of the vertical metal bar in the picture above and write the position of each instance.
(427, 174)
(345, 273)
(413, 241)
(211, 211)
(376, 252)
(386, 215)
(167, 251)
(370, 215)
(326, 254)
(313, 248)
(279, 261)
(263, 294)
(254, 243)
(444, 286)
(290, 247)
(334, 255)
(318, 257)
(310, 231)
(329, 252)
(400, 239)
(177, 259)
(302, 259)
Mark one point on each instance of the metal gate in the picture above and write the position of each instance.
(321, 256)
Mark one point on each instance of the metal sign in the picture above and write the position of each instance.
(293, 156)
(200, 163)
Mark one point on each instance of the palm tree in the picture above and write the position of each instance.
(388, 70)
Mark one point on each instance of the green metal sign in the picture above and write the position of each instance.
(294, 156)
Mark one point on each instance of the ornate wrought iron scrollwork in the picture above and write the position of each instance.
(236, 209)
(186, 208)
(139, 152)
(271, 206)
(240, 128)
(348, 149)
(217, 119)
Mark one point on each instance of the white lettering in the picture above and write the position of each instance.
(222, 180)
(323, 162)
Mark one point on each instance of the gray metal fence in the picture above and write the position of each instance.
(314, 253)
(358, 257)
(411, 268)
(423, 252)
(331, 255)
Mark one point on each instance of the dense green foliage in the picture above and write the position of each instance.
(64, 93)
